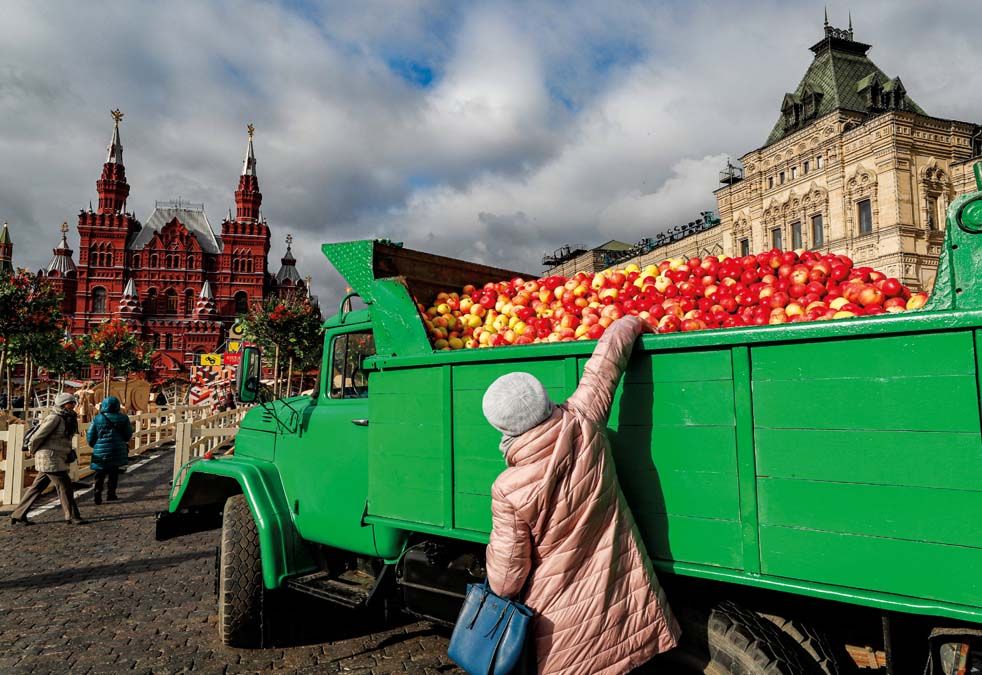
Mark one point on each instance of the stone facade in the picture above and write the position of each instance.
(874, 189)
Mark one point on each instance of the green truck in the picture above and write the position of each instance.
(811, 494)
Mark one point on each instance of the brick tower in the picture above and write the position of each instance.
(103, 235)
(62, 273)
(245, 244)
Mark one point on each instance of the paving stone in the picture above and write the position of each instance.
(107, 598)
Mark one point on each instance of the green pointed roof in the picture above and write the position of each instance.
(840, 77)
(6, 265)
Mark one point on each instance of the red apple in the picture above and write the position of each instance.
(917, 300)
(893, 305)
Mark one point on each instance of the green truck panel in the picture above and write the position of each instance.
(834, 459)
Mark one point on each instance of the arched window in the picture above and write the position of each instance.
(170, 297)
(241, 303)
(150, 304)
(156, 340)
(154, 261)
(99, 300)
(136, 261)
(188, 302)
(168, 341)
(190, 262)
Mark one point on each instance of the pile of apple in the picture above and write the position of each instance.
(677, 295)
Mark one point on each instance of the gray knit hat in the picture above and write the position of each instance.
(516, 402)
(62, 399)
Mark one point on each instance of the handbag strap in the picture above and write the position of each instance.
(484, 598)
(507, 609)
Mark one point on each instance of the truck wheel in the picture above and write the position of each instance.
(241, 594)
(732, 640)
(813, 641)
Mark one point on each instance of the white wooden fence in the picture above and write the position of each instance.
(13, 464)
(196, 437)
(150, 430)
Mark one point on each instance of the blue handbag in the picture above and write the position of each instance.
(489, 637)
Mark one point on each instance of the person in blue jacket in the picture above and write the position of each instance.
(108, 436)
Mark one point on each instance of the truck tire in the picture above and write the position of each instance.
(241, 594)
(732, 640)
(815, 643)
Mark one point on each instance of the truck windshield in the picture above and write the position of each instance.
(348, 351)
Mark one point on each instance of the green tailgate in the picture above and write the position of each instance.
(868, 454)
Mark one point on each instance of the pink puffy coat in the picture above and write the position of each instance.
(560, 522)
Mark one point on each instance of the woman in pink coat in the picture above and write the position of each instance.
(562, 531)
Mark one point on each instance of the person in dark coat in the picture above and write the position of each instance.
(18, 406)
(108, 436)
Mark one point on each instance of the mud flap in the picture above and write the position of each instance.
(186, 521)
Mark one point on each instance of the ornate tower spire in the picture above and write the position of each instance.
(205, 307)
(129, 303)
(112, 186)
(6, 251)
(288, 277)
(249, 165)
(115, 145)
(247, 197)
(62, 262)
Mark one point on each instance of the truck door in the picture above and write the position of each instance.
(331, 475)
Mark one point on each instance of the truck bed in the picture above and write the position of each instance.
(846, 466)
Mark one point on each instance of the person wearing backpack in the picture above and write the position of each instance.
(108, 436)
(51, 445)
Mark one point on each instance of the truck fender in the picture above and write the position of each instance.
(204, 485)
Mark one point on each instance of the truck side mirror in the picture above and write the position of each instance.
(248, 374)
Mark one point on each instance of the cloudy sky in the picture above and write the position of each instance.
(493, 131)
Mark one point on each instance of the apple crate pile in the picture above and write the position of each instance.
(677, 295)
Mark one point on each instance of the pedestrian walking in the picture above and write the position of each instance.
(109, 436)
(51, 446)
(563, 538)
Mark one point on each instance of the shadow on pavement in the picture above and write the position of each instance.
(309, 621)
(89, 515)
(71, 575)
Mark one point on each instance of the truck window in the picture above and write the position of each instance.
(348, 351)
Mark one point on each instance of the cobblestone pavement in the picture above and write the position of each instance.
(107, 598)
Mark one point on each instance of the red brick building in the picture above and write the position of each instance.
(177, 282)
